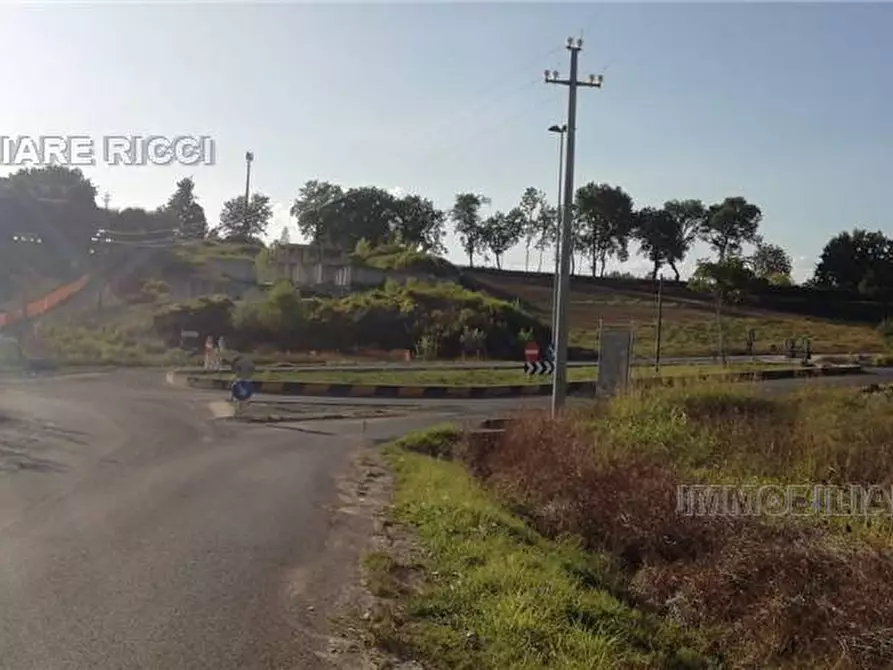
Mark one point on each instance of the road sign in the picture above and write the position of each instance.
(614, 358)
(539, 367)
(242, 390)
(243, 367)
(532, 352)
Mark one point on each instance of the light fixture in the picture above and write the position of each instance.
(570, 41)
(548, 74)
(579, 42)
(554, 74)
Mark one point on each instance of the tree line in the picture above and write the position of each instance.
(58, 206)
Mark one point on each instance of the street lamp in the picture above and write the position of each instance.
(248, 158)
(561, 130)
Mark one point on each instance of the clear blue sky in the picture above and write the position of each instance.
(786, 104)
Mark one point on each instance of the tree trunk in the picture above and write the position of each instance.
(654, 271)
(539, 268)
(470, 259)
(527, 257)
(498, 261)
(675, 271)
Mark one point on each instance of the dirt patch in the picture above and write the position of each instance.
(357, 527)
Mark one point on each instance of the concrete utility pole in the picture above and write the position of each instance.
(248, 158)
(559, 379)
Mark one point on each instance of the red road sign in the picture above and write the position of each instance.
(532, 352)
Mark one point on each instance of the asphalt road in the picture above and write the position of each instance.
(136, 531)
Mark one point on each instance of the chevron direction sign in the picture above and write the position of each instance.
(539, 367)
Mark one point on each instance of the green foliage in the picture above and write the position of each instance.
(427, 347)
(402, 259)
(245, 222)
(492, 593)
(184, 208)
(466, 216)
(730, 224)
(854, 260)
(393, 317)
(500, 232)
(605, 220)
(210, 315)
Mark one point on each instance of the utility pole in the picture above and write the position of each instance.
(559, 379)
(248, 158)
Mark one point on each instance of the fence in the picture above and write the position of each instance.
(42, 305)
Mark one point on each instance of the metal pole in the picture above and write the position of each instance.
(557, 242)
(248, 158)
(660, 310)
(559, 379)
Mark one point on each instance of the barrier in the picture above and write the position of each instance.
(43, 305)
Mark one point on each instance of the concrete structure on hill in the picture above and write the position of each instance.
(334, 272)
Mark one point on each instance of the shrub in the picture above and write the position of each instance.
(210, 315)
(768, 592)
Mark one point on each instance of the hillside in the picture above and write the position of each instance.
(688, 317)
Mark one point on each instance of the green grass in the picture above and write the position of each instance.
(495, 594)
(497, 377)
(689, 325)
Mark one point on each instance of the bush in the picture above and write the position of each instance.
(392, 317)
(777, 592)
(401, 259)
(211, 315)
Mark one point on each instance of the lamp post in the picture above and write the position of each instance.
(248, 158)
(561, 130)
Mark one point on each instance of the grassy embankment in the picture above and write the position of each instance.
(561, 544)
(689, 325)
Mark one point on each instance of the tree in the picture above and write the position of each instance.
(315, 209)
(688, 217)
(771, 263)
(284, 236)
(848, 257)
(500, 232)
(366, 212)
(730, 224)
(604, 215)
(728, 281)
(466, 216)
(245, 224)
(532, 203)
(656, 233)
(187, 213)
(56, 204)
(420, 224)
(547, 231)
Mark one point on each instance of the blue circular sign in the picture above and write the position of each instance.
(242, 389)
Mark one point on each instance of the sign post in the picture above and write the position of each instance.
(614, 359)
(242, 388)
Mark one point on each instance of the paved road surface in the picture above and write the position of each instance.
(142, 534)
(137, 532)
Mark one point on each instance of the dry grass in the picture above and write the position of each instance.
(688, 325)
(767, 592)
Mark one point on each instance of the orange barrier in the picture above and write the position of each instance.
(43, 305)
